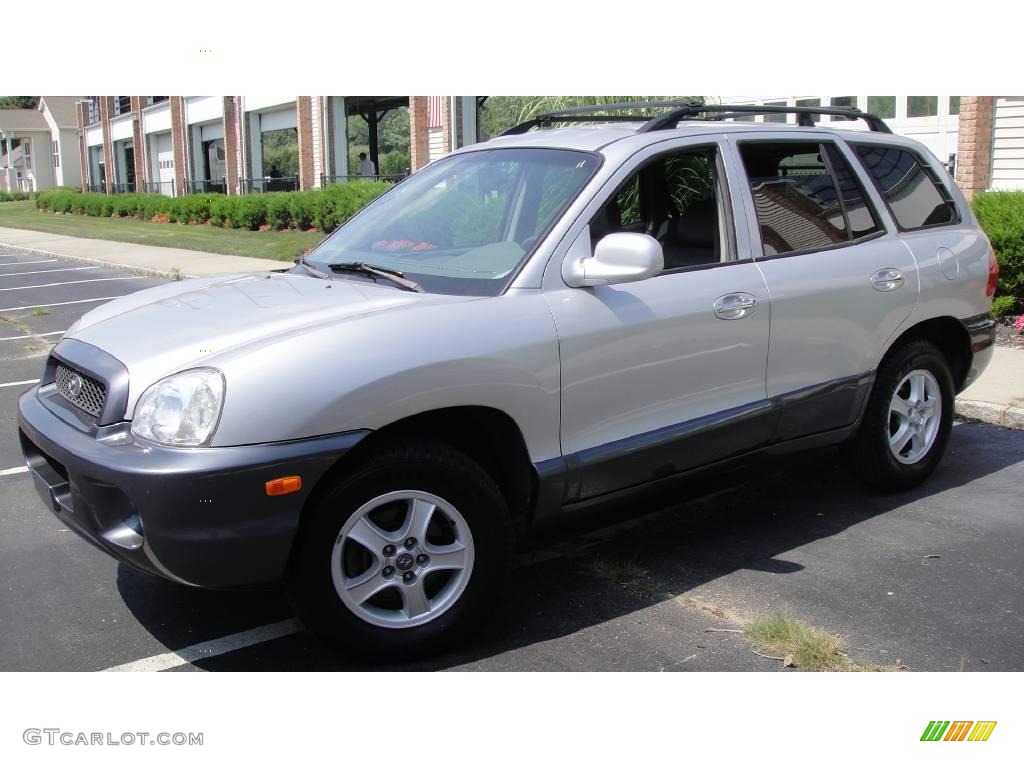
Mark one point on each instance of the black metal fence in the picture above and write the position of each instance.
(159, 187)
(391, 177)
(205, 186)
(269, 184)
(97, 188)
(123, 188)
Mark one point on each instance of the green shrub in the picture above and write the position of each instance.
(279, 213)
(1003, 305)
(1001, 215)
(248, 212)
(15, 197)
(326, 209)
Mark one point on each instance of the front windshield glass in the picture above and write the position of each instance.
(464, 224)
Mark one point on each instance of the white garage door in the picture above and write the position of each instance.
(1008, 143)
(166, 162)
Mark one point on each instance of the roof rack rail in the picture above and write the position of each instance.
(587, 114)
(683, 110)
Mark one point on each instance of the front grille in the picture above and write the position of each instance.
(89, 396)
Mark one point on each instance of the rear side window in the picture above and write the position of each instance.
(915, 196)
(806, 196)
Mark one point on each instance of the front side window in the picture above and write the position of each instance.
(796, 198)
(915, 196)
(464, 224)
(674, 199)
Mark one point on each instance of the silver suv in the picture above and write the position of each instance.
(527, 326)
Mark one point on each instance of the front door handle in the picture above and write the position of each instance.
(887, 279)
(733, 306)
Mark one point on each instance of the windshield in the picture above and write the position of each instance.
(464, 224)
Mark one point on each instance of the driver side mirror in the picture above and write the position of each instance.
(621, 257)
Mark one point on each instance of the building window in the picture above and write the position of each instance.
(922, 106)
(775, 118)
(954, 105)
(843, 101)
(157, 99)
(93, 109)
(883, 106)
(56, 154)
(122, 105)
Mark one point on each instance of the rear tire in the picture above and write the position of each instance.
(907, 421)
(404, 555)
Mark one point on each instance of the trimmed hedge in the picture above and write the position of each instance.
(324, 209)
(1001, 215)
(15, 197)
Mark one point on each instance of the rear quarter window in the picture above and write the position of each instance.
(916, 197)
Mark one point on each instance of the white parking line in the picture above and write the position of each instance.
(71, 282)
(211, 648)
(45, 271)
(30, 336)
(19, 383)
(57, 304)
(13, 471)
(23, 263)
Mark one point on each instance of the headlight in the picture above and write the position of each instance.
(182, 409)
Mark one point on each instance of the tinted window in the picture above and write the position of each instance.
(795, 197)
(915, 197)
(860, 217)
(673, 198)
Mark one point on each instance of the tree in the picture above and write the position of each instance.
(19, 102)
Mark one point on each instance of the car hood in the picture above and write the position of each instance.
(179, 325)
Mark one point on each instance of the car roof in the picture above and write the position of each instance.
(594, 137)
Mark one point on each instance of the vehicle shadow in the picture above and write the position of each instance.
(588, 574)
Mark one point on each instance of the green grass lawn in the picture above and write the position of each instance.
(283, 246)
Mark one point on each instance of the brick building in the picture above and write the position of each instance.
(180, 144)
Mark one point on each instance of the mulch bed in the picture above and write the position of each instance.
(1008, 336)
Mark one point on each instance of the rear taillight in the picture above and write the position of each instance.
(993, 274)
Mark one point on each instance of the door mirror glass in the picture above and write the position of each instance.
(621, 257)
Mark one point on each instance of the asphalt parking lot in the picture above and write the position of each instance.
(931, 578)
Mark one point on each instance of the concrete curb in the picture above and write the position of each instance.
(991, 413)
(146, 271)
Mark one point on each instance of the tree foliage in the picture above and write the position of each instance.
(19, 102)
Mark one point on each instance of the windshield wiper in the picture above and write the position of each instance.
(398, 278)
(301, 261)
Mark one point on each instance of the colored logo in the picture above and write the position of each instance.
(958, 730)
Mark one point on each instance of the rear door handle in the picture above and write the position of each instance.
(734, 306)
(887, 279)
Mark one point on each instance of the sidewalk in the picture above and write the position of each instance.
(144, 259)
(998, 395)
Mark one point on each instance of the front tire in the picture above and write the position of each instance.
(907, 421)
(404, 555)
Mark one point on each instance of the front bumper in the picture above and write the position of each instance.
(198, 516)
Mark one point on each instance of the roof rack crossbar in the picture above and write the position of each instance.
(723, 111)
(684, 109)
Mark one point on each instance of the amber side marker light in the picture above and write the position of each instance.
(284, 485)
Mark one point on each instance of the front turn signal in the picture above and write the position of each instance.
(284, 485)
